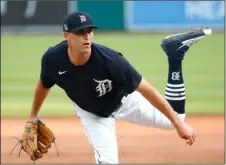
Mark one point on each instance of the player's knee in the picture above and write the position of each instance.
(181, 116)
(167, 125)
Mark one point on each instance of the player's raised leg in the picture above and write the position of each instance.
(101, 135)
(175, 47)
(136, 109)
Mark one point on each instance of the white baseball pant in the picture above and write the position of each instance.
(101, 132)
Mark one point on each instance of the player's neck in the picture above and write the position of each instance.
(78, 58)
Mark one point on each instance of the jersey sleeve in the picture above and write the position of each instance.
(45, 76)
(125, 74)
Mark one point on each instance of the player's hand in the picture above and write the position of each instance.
(186, 132)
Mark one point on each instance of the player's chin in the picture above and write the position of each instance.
(86, 49)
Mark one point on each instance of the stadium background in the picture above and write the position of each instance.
(136, 29)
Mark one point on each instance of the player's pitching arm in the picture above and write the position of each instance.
(39, 97)
(156, 99)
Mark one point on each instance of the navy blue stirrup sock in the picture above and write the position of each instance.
(175, 90)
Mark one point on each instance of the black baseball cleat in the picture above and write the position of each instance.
(175, 46)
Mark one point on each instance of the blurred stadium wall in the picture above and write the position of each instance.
(135, 16)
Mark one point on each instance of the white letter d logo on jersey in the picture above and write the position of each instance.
(103, 86)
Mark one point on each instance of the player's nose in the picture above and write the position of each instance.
(86, 36)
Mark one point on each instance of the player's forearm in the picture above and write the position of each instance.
(39, 97)
(157, 100)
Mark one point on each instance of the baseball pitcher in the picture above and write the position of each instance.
(104, 87)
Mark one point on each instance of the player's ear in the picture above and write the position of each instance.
(66, 35)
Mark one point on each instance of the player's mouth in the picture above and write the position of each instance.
(86, 44)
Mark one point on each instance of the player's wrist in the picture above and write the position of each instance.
(33, 119)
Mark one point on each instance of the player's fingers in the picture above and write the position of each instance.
(194, 134)
(193, 139)
(190, 140)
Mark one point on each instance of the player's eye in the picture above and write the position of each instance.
(89, 30)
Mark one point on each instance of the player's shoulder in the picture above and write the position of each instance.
(55, 50)
(111, 58)
(105, 51)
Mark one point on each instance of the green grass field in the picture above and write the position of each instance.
(203, 70)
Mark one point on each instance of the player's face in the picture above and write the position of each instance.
(80, 40)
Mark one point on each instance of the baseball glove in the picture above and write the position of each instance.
(36, 140)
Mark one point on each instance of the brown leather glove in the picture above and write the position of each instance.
(36, 140)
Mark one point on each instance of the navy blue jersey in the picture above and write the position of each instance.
(97, 86)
